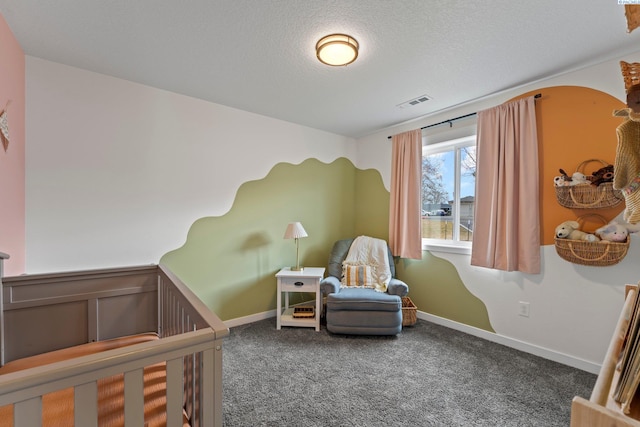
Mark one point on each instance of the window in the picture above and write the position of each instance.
(448, 194)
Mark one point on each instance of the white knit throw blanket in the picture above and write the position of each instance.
(372, 252)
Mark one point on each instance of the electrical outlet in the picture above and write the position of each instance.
(523, 309)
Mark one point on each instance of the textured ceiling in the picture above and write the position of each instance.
(258, 55)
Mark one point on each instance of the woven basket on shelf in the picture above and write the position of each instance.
(597, 254)
(589, 196)
(409, 312)
(630, 71)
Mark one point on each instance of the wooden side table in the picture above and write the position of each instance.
(307, 280)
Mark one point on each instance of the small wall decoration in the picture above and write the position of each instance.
(632, 12)
(630, 73)
(4, 127)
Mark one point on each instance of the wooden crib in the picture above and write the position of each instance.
(170, 361)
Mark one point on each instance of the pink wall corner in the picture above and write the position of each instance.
(12, 161)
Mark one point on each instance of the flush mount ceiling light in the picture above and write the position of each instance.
(337, 49)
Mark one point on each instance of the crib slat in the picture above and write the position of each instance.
(28, 413)
(189, 384)
(207, 396)
(134, 398)
(174, 392)
(86, 405)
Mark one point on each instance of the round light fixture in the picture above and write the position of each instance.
(337, 49)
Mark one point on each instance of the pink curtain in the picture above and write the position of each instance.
(405, 232)
(506, 233)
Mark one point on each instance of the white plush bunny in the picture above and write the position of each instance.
(579, 178)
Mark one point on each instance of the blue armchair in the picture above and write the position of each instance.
(361, 311)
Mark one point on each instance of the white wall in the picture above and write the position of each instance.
(117, 172)
(573, 308)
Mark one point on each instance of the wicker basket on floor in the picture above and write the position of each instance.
(409, 311)
(589, 196)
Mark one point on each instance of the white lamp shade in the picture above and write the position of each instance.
(295, 230)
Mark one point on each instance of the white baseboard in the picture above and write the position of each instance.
(249, 319)
(545, 353)
(555, 356)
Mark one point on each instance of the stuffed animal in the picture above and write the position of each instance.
(613, 232)
(560, 181)
(631, 228)
(564, 180)
(571, 230)
(579, 178)
(602, 175)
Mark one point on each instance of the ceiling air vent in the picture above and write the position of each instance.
(415, 101)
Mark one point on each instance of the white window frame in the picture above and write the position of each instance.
(454, 245)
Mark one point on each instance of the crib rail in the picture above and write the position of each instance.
(179, 312)
(190, 343)
(25, 388)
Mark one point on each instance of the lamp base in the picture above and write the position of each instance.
(296, 268)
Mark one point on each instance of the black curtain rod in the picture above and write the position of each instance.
(450, 121)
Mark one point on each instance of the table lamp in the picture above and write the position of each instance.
(295, 230)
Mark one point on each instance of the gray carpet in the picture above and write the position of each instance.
(428, 375)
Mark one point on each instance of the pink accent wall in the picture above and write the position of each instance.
(12, 161)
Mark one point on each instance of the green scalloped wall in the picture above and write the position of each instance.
(436, 288)
(230, 261)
